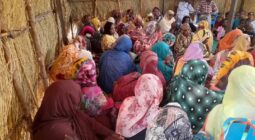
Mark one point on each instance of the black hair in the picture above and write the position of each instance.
(184, 18)
(107, 28)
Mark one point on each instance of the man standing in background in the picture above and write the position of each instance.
(184, 9)
(207, 8)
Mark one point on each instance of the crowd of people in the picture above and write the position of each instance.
(162, 77)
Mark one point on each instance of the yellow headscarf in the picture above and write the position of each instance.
(107, 42)
(96, 23)
(242, 43)
(202, 35)
(238, 100)
(204, 23)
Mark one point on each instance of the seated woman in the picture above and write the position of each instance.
(206, 37)
(137, 111)
(166, 22)
(186, 19)
(170, 39)
(115, 63)
(194, 52)
(125, 85)
(238, 102)
(234, 60)
(183, 40)
(170, 123)
(188, 90)
(60, 117)
(165, 59)
(108, 39)
(240, 43)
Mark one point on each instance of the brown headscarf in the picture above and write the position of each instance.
(60, 115)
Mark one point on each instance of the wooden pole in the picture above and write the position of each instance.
(119, 5)
(95, 8)
(232, 12)
(38, 48)
(140, 7)
(62, 21)
(241, 6)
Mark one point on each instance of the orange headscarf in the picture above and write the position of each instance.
(226, 42)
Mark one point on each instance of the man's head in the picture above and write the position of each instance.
(156, 12)
(251, 16)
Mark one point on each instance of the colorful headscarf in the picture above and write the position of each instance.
(149, 63)
(107, 42)
(87, 29)
(238, 101)
(68, 62)
(137, 111)
(115, 63)
(171, 123)
(169, 37)
(188, 90)
(150, 28)
(234, 60)
(242, 43)
(163, 51)
(201, 36)
(204, 24)
(226, 42)
(193, 52)
(96, 23)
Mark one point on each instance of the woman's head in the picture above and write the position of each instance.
(169, 38)
(109, 28)
(162, 50)
(96, 23)
(203, 24)
(186, 19)
(123, 43)
(195, 71)
(148, 90)
(242, 43)
(148, 58)
(156, 12)
(194, 52)
(185, 29)
(169, 15)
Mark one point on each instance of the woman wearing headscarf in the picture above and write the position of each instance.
(166, 22)
(137, 111)
(165, 59)
(203, 24)
(183, 40)
(188, 90)
(108, 39)
(194, 52)
(186, 19)
(238, 101)
(227, 43)
(169, 38)
(171, 123)
(60, 116)
(235, 59)
(125, 85)
(115, 63)
(206, 37)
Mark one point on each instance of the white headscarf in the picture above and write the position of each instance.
(238, 101)
(166, 23)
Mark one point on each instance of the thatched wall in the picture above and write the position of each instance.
(23, 62)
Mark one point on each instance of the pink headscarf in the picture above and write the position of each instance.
(137, 111)
(87, 29)
(194, 52)
(149, 64)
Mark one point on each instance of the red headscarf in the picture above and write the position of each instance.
(60, 115)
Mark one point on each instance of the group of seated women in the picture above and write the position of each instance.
(131, 81)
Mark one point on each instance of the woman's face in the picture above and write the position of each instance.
(113, 29)
(187, 20)
(186, 32)
(170, 16)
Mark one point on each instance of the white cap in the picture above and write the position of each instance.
(111, 19)
(150, 15)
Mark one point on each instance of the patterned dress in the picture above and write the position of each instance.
(188, 90)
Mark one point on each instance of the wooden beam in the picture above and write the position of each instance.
(62, 21)
(38, 48)
(140, 6)
(95, 8)
(232, 12)
(241, 6)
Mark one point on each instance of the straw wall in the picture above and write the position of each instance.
(23, 62)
